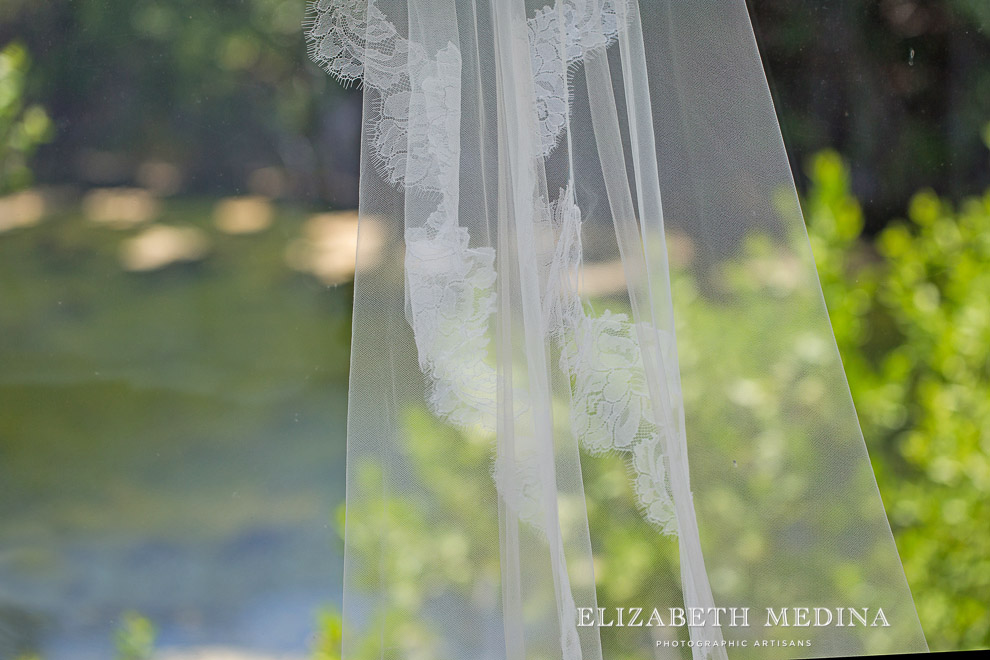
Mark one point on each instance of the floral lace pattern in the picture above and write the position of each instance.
(610, 409)
(451, 293)
(559, 36)
(518, 481)
(450, 287)
(335, 30)
(416, 132)
(353, 40)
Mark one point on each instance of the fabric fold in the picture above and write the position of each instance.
(590, 331)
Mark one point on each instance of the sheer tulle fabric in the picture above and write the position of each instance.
(595, 300)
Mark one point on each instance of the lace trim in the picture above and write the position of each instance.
(450, 287)
(610, 409)
(353, 40)
(416, 131)
(451, 293)
(559, 36)
(518, 481)
(335, 32)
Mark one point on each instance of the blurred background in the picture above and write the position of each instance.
(176, 248)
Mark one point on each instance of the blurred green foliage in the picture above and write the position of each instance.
(135, 638)
(899, 87)
(911, 313)
(328, 633)
(910, 310)
(218, 88)
(196, 406)
(23, 126)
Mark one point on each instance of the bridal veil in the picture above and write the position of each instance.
(589, 337)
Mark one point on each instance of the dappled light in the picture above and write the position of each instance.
(161, 245)
(22, 209)
(327, 247)
(243, 215)
(120, 208)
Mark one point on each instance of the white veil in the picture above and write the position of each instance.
(584, 291)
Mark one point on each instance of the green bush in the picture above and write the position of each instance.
(328, 634)
(911, 313)
(135, 638)
(23, 127)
